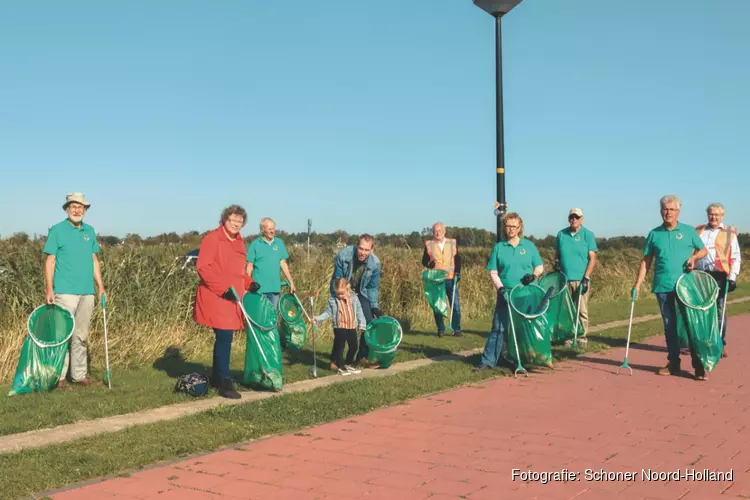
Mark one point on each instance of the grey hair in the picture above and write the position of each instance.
(717, 206)
(438, 224)
(670, 198)
(264, 220)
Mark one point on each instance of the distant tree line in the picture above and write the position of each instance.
(466, 236)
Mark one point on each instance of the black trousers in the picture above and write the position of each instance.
(341, 337)
(364, 349)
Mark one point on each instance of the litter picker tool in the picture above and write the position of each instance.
(724, 307)
(103, 302)
(520, 367)
(314, 333)
(630, 327)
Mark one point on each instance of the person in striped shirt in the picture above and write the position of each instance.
(348, 319)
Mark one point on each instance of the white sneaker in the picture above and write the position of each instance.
(352, 370)
(344, 373)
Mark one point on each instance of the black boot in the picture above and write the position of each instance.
(227, 390)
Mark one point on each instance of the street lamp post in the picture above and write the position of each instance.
(497, 9)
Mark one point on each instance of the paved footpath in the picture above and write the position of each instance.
(466, 442)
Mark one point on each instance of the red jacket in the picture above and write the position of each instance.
(221, 265)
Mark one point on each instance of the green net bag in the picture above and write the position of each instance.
(43, 352)
(263, 352)
(434, 290)
(561, 313)
(697, 315)
(528, 305)
(383, 336)
(293, 326)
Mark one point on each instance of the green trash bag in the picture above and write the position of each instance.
(43, 352)
(561, 313)
(434, 290)
(293, 327)
(263, 352)
(528, 305)
(383, 336)
(698, 317)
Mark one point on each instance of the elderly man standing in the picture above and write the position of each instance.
(576, 255)
(722, 260)
(361, 267)
(442, 253)
(674, 247)
(70, 271)
(266, 257)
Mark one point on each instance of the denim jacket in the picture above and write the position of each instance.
(370, 282)
(332, 311)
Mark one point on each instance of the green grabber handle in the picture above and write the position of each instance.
(630, 326)
(724, 309)
(107, 373)
(520, 367)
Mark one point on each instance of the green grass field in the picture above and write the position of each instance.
(42, 469)
(150, 385)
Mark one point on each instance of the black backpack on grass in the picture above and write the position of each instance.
(193, 384)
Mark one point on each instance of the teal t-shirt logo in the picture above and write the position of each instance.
(523, 251)
(679, 236)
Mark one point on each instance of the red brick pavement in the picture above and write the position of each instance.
(465, 443)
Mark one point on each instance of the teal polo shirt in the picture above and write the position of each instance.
(670, 249)
(73, 248)
(266, 259)
(574, 251)
(511, 263)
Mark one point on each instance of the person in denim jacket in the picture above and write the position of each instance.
(348, 318)
(359, 265)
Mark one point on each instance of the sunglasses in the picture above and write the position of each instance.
(574, 216)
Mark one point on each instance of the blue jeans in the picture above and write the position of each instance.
(669, 311)
(456, 321)
(222, 352)
(499, 334)
(273, 298)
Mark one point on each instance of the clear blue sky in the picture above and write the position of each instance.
(370, 116)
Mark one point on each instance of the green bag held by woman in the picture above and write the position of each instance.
(263, 351)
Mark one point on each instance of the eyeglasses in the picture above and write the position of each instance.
(574, 216)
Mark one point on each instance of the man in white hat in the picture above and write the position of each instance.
(70, 271)
(576, 257)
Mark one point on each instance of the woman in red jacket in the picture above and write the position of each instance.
(221, 266)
